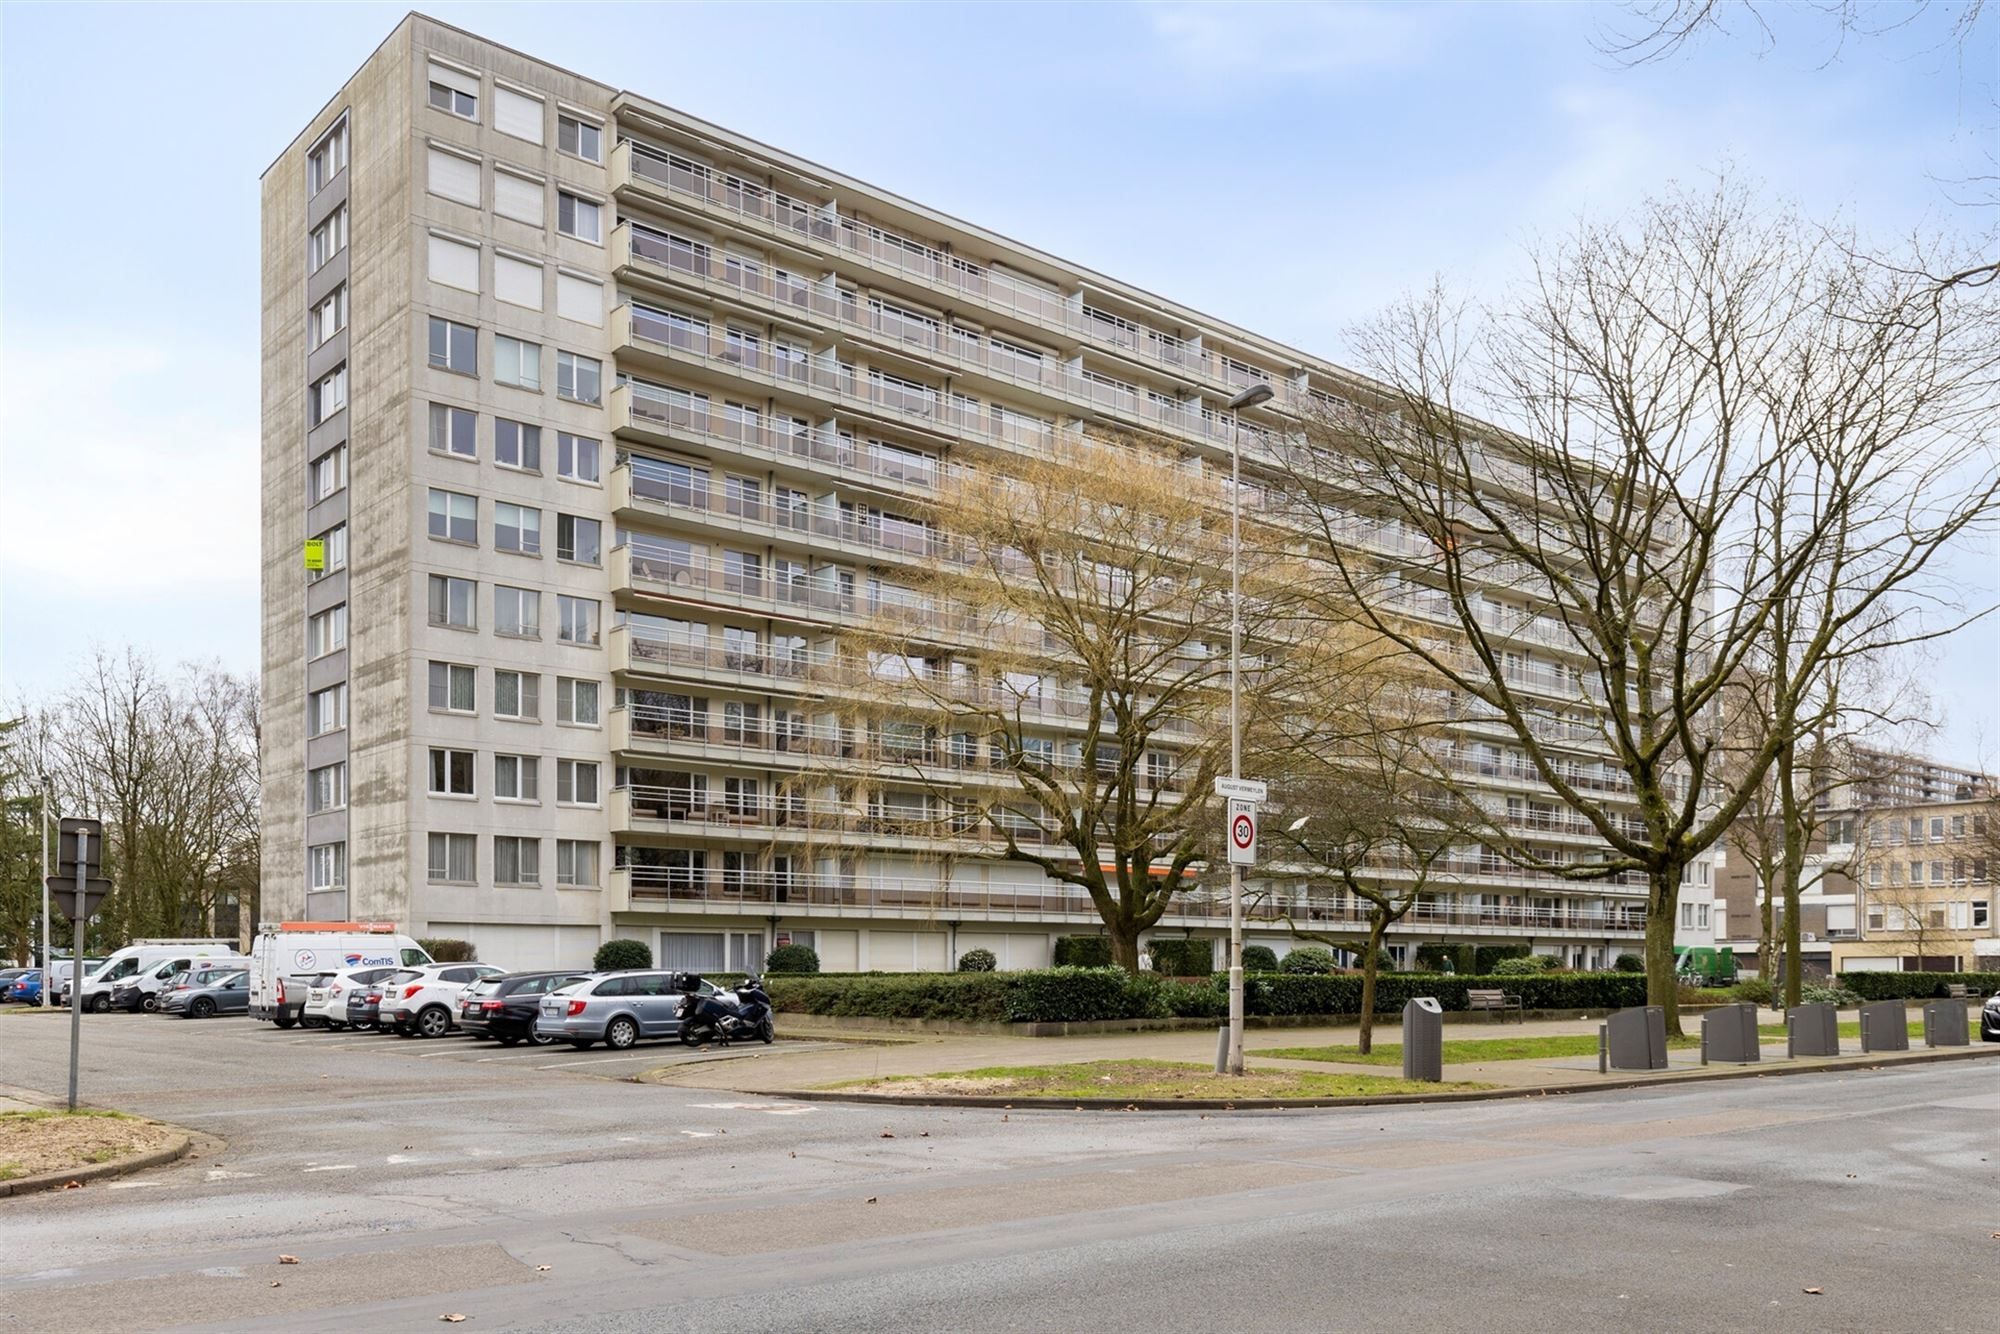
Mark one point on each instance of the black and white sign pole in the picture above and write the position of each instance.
(76, 957)
(1248, 398)
(82, 849)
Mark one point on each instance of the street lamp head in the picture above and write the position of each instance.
(1297, 824)
(1251, 397)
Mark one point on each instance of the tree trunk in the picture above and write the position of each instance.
(1662, 987)
(1767, 943)
(1124, 945)
(1376, 926)
(1794, 964)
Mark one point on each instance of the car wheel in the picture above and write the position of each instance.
(283, 1020)
(620, 1033)
(150, 1004)
(434, 1022)
(510, 1042)
(540, 1039)
(99, 1005)
(582, 1044)
(201, 1007)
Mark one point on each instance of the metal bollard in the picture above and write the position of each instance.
(1222, 1050)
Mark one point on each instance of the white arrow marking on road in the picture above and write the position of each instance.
(333, 1167)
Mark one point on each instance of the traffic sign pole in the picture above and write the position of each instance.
(76, 958)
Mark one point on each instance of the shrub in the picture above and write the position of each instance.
(1196, 1000)
(444, 950)
(976, 961)
(1182, 958)
(1079, 995)
(616, 954)
(1385, 962)
(1435, 958)
(1486, 957)
(1259, 959)
(1083, 952)
(1308, 960)
(1518, 967)
(1916, 986)
(1628, 963)
(1818, 993)
(792, 959)
(1549, 962)
(1756, 990)
(941, 996)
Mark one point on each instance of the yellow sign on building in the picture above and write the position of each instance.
(315, 553)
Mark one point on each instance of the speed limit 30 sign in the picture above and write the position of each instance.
(1242, 833)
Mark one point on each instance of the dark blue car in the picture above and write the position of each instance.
(27, 988)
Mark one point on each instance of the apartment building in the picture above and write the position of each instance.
(1896, 876)
(589, 428)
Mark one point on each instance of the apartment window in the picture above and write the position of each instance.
(579, 378)
(517, 778)
(517, 528)
(577, 619)
(329, 317)
(454, 263)
(453, 687)
(517, 445)
(454, 91)
(454, 346)
(576, 862)
(576, 701)
(576, 457)
(1981, 913)
(326, 866)
(1875, 873)
(580, 138)
(1687, 916)
(454, 431)
(326, 789)
(327, 159)
(454, 516)
(454, 858)
(517, 363)
(1701, 916)
(327, 240)
(335, 539)
(451, 601)
(579, 217)
(516, 861)
(1937, 873)
(1978, 870)
(519, 197)
(576, 782)
(454, 176)
(518, 282)
(580, 299)
(1937, 828)
(327, 396)
(327, 632)
(326, 710)
(517, 695)
(451, 772)
(579, 539)
(1916, 831)
(517, 612)
(1875, 917)
(326, 474)
(517, 114)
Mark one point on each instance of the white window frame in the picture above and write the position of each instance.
(517, 778)
(519, 359)
(570, 449)
(451, 584)
(527, 853)
(439, 872)
(568, 772)
(567, 874)
(527, 611)
(577, 203)
(439, 782)
(451, 676)
(527, 695)
(583, 126)
(567, 693)
(326, 866)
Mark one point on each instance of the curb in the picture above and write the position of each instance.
(100, 1171)
(1872, 1061)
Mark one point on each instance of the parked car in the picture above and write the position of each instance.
(427, 1005)
(146, 956)
(326, 999)
(7, 979)
(203, 974)
(285, 957)
(618, 1009)
(26, 989)
(228, 994)
(1989, 1019)
(505, 1007)
(364, 1003)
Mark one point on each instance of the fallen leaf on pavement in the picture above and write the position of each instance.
(1814, 1292)
(288, 1259)
(453, 1319)
(888, 1134)
(923, 1134)
(541, 1269)
(72, 1185)
(276, 1284)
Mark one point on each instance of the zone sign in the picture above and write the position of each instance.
(1242, 833)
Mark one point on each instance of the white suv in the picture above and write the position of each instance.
(326, 1002)
(424, 1005)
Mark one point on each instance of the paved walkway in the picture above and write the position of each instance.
(869, 1056)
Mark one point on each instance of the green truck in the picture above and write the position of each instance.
(1705, 966)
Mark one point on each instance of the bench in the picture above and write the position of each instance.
(1492, 999)
(1956, 991)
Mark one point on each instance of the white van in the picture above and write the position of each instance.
(143, 956)
(285, 955)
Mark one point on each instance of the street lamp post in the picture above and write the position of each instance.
(48, 947)
(1248, 398)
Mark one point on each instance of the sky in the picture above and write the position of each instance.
(1290, 168)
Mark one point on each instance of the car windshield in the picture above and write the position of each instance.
(485, 986)
(230, 979)
(570, 988)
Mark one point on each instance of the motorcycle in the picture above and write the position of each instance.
(727, 1016)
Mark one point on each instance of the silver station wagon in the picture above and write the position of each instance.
(618, 1009)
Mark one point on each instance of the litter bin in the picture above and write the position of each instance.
(1812, 1029)
(1885, 1026)
(1633, 1039)
(1423, 1039)
(1729, 1034)
(1945, 1024)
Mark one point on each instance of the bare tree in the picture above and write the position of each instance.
(1073, 642)
(1714, 417)
(1655, 30)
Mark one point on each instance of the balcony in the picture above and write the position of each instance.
(766, 817)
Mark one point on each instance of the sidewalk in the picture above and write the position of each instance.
(876, 1056)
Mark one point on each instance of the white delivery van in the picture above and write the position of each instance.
(146, 989)
(286, 955)
(143, 956)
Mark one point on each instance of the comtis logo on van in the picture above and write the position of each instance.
(353, 960)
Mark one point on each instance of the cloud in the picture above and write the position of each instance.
(1261, 42)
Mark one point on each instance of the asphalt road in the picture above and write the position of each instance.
(414, 1180)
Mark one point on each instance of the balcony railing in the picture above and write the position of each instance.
(666, 487)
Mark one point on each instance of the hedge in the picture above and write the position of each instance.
(1083, 951)
(1183, 958)
(1917, 986)
(443, 949)
(1080, 995)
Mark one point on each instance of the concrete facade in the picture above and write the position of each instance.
(786, 359)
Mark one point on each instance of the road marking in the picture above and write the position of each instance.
(400, 1158)
(699, 1134)
(133, 1185)
(333, 1167)
(224, 1174)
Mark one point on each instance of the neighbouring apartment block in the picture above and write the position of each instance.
(588, 428)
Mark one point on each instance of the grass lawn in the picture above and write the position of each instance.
(1143, 1079)
(1462, 1051)
(1850, 1029)
(46, 1141)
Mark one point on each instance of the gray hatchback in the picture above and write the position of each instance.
(617, 1009)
